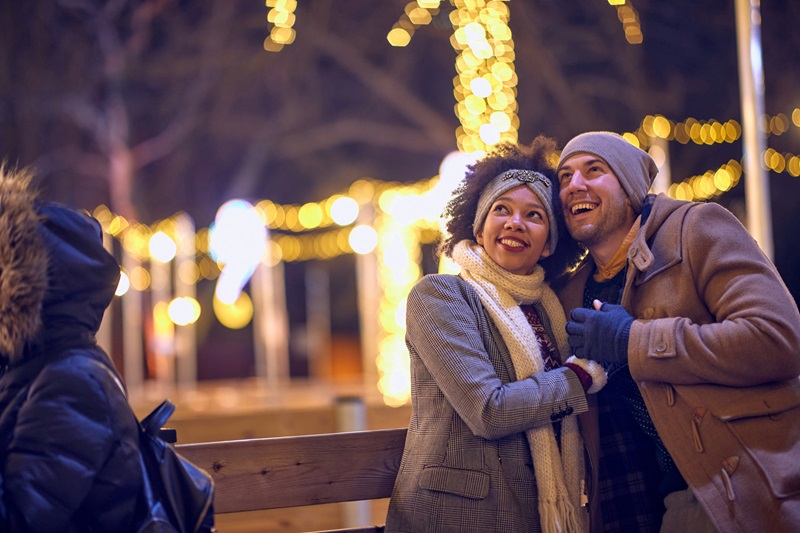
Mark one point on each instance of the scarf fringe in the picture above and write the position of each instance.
(559, 517)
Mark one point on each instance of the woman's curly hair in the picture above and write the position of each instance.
(537, 156)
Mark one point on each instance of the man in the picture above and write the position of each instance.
(701, 340)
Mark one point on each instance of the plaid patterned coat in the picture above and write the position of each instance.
(467, 466)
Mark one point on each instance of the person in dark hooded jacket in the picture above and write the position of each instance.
(69, 458)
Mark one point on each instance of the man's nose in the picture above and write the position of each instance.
(576, 182)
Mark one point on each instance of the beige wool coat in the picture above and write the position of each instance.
(715, 352)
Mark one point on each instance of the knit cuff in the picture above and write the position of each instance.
(583, 375)
(594, 369)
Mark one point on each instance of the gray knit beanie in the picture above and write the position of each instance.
(511, 179)
(634, 167)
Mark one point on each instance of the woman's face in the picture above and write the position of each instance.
(516, 231)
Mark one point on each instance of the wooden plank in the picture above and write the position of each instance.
(297, 471)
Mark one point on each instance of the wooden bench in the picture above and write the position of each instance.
(280, 472)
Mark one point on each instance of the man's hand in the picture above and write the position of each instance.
(601, 334)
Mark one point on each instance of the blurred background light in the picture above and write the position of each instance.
(363, 239)
(162, 247)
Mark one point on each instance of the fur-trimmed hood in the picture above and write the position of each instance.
(23, 264)
(56, 279)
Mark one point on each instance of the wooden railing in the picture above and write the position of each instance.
(280, 472)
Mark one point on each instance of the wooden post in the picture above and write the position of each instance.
(659, 150)
(751, 89)
(351, 416)
(132, 348)
(270, 324)
(185, 340)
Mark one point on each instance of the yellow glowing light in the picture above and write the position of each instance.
(285, 5)
(398, 37)
(163, 327)
(474, 31)
(793, 166)
(271, 46)
(310, 215)
(140, 278)
(475, 105)
(363, 239)
(489, 134)
(481, 87)
(183, 311)
(117, 225)
(647, 125)
(661, 127)
(162, 247)
(500, 120)
(284, 19)
(236, 315)
(282, 35)
(362, 191)
(680, 134)
(388, 199)
(499, 101)
(344, 211)
(420, 16)
(723, 179)
(395, 387)
(731, 131)
(124, 284)
(631, 138)
(188, 272)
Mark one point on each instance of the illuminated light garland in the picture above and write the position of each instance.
(405, 220)
(282, 17)
(705, 186)
(709, 132)
(415, 14)
(485, 87)
(629, 18)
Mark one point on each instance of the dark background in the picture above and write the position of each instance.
(154, 107)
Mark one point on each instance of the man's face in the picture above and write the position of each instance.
(596, 208)
(516, 232)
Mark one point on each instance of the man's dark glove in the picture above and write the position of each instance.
(600, 335)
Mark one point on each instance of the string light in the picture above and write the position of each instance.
(407, 216)
(485, 87)
(709, 132)
(629, 18)
(282, 17)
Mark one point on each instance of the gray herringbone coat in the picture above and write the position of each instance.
(467, 465)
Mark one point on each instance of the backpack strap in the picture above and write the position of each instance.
(153, 422)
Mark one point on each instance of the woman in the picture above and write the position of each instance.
(69, 453)
(493, 443)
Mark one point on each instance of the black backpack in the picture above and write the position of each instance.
(177, 496)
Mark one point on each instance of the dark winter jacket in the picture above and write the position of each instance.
(68, 441)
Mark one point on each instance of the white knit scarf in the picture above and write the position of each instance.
(558, 476)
